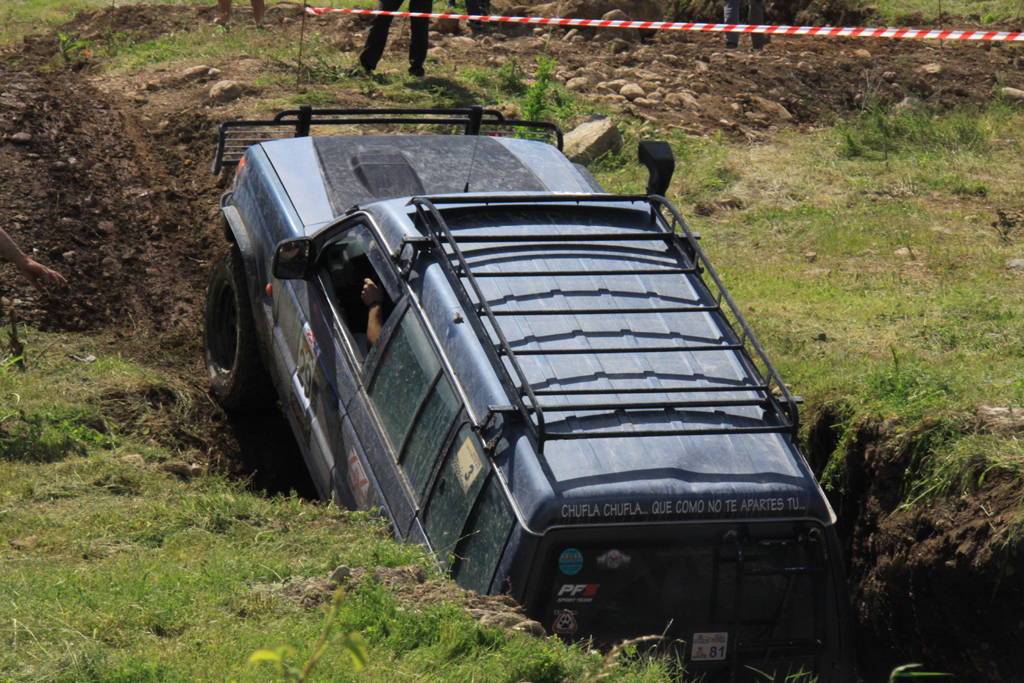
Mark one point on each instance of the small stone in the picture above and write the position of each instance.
(134, 459)
(24, 543)
(69, 256)
(632, 91)
(619, 46)
(194, 72)
(863, 54)
(571, 34)
(811, 256)
(889, 76)
(907, 252)
(576, 84)
(1015, 264)
(225, 91)
(177, 467)
(531, 627)
(341, 574)
(152, 86)
(930, 69)
(1013, 94)
(21, 138)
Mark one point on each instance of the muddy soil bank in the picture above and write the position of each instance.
(937, 584)
(112, 187)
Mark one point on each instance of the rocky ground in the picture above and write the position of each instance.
(106, 177)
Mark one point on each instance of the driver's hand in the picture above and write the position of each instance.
(371, 294)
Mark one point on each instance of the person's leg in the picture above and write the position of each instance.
(257, 11)
(419, 36)
(732, 16)
(377, 38)
(475, 7)
(755, 17)
(224, 7)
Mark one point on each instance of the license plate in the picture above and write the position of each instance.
(709, 647)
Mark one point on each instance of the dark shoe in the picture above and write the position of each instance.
(731, 46)
(417, 72)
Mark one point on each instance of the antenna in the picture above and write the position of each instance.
(476, 117)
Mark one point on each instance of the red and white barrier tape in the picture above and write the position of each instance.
(716, 28)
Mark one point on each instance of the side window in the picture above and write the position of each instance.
(414, 400)
(355, 288)
(483, 539)
(459, 482)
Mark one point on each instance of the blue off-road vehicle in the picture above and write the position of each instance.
(545, 383)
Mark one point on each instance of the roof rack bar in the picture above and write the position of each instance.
(648, 390)
(606, 311)
(659, 405)
(590, 273)
(577, 436)
(562, 239)
(628, 349)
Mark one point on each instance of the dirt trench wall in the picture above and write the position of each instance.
(936, 585)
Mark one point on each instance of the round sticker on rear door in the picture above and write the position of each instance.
(570, 561)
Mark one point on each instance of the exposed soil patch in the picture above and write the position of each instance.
(113, 189)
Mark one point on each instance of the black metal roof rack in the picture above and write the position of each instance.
(771, 394)
(234, 137)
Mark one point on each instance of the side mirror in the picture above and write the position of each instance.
(294, 259)
(657, 157)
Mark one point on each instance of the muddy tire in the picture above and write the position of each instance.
(238, 380)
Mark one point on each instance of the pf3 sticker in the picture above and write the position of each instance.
(570, 561)
(565, 623)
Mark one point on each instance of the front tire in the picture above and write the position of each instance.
(238, 380)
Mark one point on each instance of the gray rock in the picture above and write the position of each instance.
(619, 46)
(571, 34)
(447, 26)
(630, 35)
(21, 138)
(889, 76)
(1015, 264)
(196, 72)
(682, 100)
(341, 574)
(225, 91)
(592, 139)
(930, 69)
(577, 84)
(908, 104)
(531, 627)
(773, 109)
(1013, 94)
(632, 91)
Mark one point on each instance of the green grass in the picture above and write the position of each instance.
(115, 570)
(866, 260)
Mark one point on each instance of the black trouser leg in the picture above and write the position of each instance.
(377, 38)
(419, 30)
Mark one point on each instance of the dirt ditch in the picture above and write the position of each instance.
(112, 187)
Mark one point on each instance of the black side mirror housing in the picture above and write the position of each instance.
(294, 259)
(657, 157)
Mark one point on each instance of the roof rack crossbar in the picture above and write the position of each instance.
(299, 122)
(650, 405)
(650, 390)
(634, 433)
(627, 349)
(589, 273)
(606, 311)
